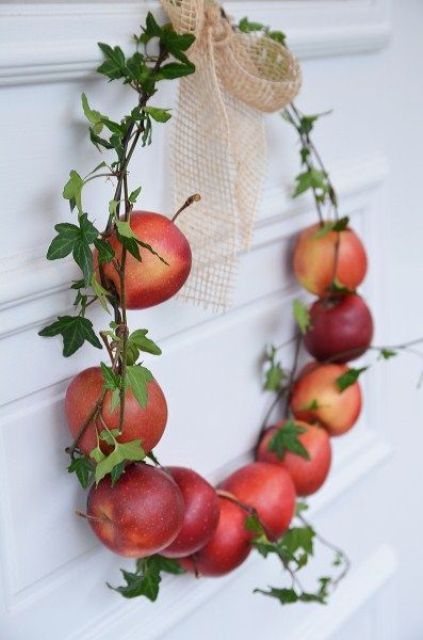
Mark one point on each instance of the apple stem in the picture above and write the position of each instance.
(195, 198)
(86, 516)
(230, 496)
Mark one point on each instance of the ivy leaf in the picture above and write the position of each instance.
(114, 65)
(111, 380)
(75, 330)
(313, 405)
(386, 354)
(105, 250)
(175, 70)
(349, 378)
(139, 339)
(274, 374)
(284, 596)
(159, 115)
(248, 27)
(341, 224)
(301, 315)
(84, 470)
(117, 472)
(277, 36)
(253, 524)
(72, 191)
(311, 179)
(62, 245)
(100, 292)
(95, 118)
(138, 378)
(123, 452)
(133, 196)
(146, 579)
(286, 439)
(300, 508)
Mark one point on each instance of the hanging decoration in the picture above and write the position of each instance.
(219, 145)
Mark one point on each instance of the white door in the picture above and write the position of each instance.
(364, 64)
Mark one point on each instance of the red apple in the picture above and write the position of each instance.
(151, 281)
(201, 513)
(308, 474)
(144, 423)
(229, 546)
(267, 488)
(341, 328)
(314, 260)
(316, 397)
(141, 515)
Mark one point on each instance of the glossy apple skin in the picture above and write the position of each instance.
(338, 411)
(269, 489)
(229, 546)
(151, 282)
(314, 260)
(141, 515)
(308, 475)
(341, 329)
(201, 513)
(146, 424)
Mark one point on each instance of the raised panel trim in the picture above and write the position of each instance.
(315, 29)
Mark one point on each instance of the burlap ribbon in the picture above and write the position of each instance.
(219, 145)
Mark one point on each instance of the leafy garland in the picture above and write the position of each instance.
(142, 71)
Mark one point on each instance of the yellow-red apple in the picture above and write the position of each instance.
(316, 397)
(308, 474)
(314, 259)
(151, 281)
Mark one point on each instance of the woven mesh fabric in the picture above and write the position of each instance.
(219, 145)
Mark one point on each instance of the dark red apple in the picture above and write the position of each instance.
(316, 397)
(308, 474)
(314, 259)
(267, 488)
(141, 515)
(229, 546)
(151, 281)
(146, 424)
(341, 328)
(201, 513)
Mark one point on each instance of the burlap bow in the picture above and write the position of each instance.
(219, 146)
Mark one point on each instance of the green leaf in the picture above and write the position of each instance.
(175, 70)
(63, 244)
(301, 315)
(159, 115)
(138, 378)
(139, 339)
(349, 378)
(114, 66)
(94, 117)
(133, 196)
(286, 439)
(311, 179)
(84, 470)
(300, 508)
(341, 224)
(277, 36)
(75, 330)
(72, 191)
(146, 579)
(84, 259)
(253, 524)
(105, 250)
(128, 451)
(152, 28)
(284, 596)
(386, 354)
(111, 380)
(313, 405)
(101, 293)
(248, 27)
(124, 229)
(274, 374)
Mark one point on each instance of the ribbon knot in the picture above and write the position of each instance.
(219, 145)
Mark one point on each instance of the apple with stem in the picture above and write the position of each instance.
(139, 516)
(308, 473)
(316, 252)
(144, 423)
(269, 490)
(155, 278)
(317, 397)
(341, 328)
